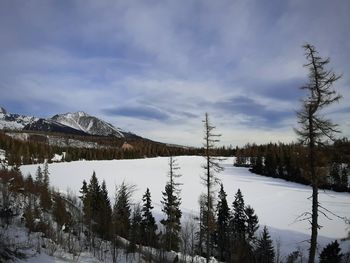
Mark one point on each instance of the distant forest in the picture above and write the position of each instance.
(289, 161)
(36, 149)
(278, 160)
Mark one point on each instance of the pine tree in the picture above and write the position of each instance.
(252, 224)
(105, 213)
(209, 179)
(331, 253)
(149, 226)
(335, 174)
(258, 166)
(38, 178)
(314, 127)
(265, 252)
(122, 211)
(344, 178)
(223, 225)
(239, 218)
(45, 195)
(171, 208)
(85, 198)
(135, 235)
(94, 192)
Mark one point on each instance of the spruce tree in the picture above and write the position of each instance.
(265, 252)
(239, 218)
(85, 198)
(331, 253)
(314, 127)
(223, 225)
(335, 175)
(344, 177)
(94, 191)
(252, 224)
(171, 208)
(122, 211)
(45, 195)
(38, 178)
(149, 226)
(105, 213)
(135, 236)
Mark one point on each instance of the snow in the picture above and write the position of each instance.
(57, 157)
(18, 136)
(86, 123)
(278, 203)
(10, 125)
(2, 155)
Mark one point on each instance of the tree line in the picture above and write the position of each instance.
(288, 161)
(35, 151)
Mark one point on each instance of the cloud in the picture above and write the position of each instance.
(138, 112)
(165, 63)
(254, 113)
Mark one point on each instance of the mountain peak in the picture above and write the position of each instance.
(88, 124)
(81, 114)
(2, 110)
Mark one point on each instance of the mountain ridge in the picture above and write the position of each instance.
(80, 123)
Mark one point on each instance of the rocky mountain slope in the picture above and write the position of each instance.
(10, 121)
(78, 123)
(88, 124)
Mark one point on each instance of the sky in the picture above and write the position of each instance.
(155, 67)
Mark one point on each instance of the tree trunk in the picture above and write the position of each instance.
(314, 181)
(314, 224)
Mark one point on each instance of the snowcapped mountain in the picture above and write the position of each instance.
(9, 121)
(79, 123)
(88, 124)
(49, 125)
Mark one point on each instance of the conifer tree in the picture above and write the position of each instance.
(122, 211)
(223, 225)
(94, 192)
(38, 178)
(45, 195)
(171, 208)
(85, 198)
(209, 179)
(105, 213)
(344, 177)
(135, 235)
(239, 218)
(335, 174)
(149, 226)
(252, 224)
(265, 252)
(331, 253)
(314, 127)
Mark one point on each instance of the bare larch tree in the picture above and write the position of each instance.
(211, 167)
(314, 127)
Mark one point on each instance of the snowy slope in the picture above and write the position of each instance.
(88, 124)
(11, 121)
(277, 203)
(79, 123)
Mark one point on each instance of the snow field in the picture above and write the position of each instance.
(278, 203)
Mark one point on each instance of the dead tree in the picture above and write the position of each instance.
(211, 167)
(314, 127)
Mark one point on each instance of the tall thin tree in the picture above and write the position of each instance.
(171, 208)
(211, 167)
(314, 127)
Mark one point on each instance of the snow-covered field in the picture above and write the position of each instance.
(277, 203)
